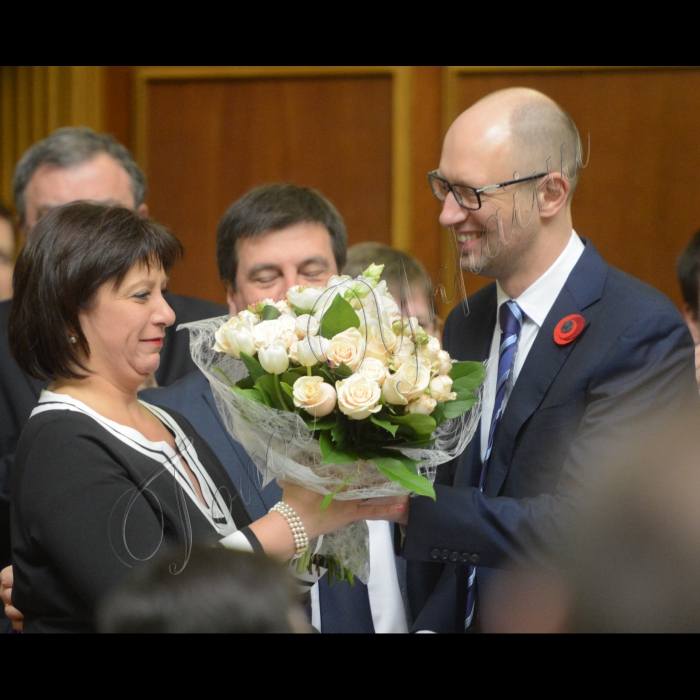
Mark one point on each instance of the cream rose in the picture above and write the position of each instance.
(441, 388)
(374, 369)
(443, 363)
(347, 348)
(412, 378)
(306, 325)
(358, 396)
(423, 404)
(314, 395)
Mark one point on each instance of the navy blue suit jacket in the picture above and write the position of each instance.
(632, 366)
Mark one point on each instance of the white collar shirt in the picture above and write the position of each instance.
(535, 302)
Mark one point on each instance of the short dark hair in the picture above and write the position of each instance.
(688, 271)
(72, 252)
(69, 146)
(273, 208)
(218, 591)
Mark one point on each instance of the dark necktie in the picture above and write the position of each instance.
(511, 321)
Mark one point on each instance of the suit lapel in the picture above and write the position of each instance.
(244, 473)
(544, 362)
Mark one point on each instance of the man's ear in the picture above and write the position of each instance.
(692, 321)
(231, 299)
(553, 195)
(143, 209)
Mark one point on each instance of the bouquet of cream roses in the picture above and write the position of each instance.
(334, 389)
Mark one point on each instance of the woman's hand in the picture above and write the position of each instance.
(6, 581)
(276, 537)
(307, 504)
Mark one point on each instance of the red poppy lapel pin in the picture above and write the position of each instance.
(568, 329)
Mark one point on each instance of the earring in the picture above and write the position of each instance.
(72, 339)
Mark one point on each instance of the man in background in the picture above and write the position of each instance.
(272, 238)
(75, 163)
(406, 279)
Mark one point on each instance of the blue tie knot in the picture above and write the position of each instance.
(510, 318)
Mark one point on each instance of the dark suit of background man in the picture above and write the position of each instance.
(68, 165)
(572, 394)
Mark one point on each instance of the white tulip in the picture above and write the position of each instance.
(273, 358)
(312, 350)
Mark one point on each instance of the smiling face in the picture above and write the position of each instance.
(125, 327)
(269, 264)
(101, 179)
(477, 153)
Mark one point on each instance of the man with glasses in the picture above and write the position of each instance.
(581, 357)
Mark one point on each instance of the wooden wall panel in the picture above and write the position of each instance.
(209, 141)
(636, 201)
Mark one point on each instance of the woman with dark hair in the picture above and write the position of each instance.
(103, 480)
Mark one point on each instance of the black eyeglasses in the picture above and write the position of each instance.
(467, 197)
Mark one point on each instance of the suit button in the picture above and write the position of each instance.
(434, 553)
(474, 558)
(444, 555)
(464, 558)
(454, 556)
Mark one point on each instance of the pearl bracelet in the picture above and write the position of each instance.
(301, 539)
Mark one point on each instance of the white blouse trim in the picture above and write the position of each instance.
(216, 510)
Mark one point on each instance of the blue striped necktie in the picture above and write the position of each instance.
(511, 320)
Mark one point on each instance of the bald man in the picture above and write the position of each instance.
(597, 354)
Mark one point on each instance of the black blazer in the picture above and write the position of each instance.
(632, 366)
(88, 506)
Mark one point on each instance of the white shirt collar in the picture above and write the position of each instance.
(538, 298)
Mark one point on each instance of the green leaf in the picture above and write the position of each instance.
(329, 497)
(457, 408)
(221, 371)
(340, 432)
(418, 444)
(341, 372)
(323, 371)
(253, 366)
(468, 375)
(418, 422)
(250, 394)
(288, 390)
(332, 454)
(397, 471)
(338, 317)
(266, 383)
(385, 424)
(246, 383)
(438, 414)
(270, 313)
(325, 423)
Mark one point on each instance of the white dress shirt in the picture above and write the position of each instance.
(385, 601)
(535, 302)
